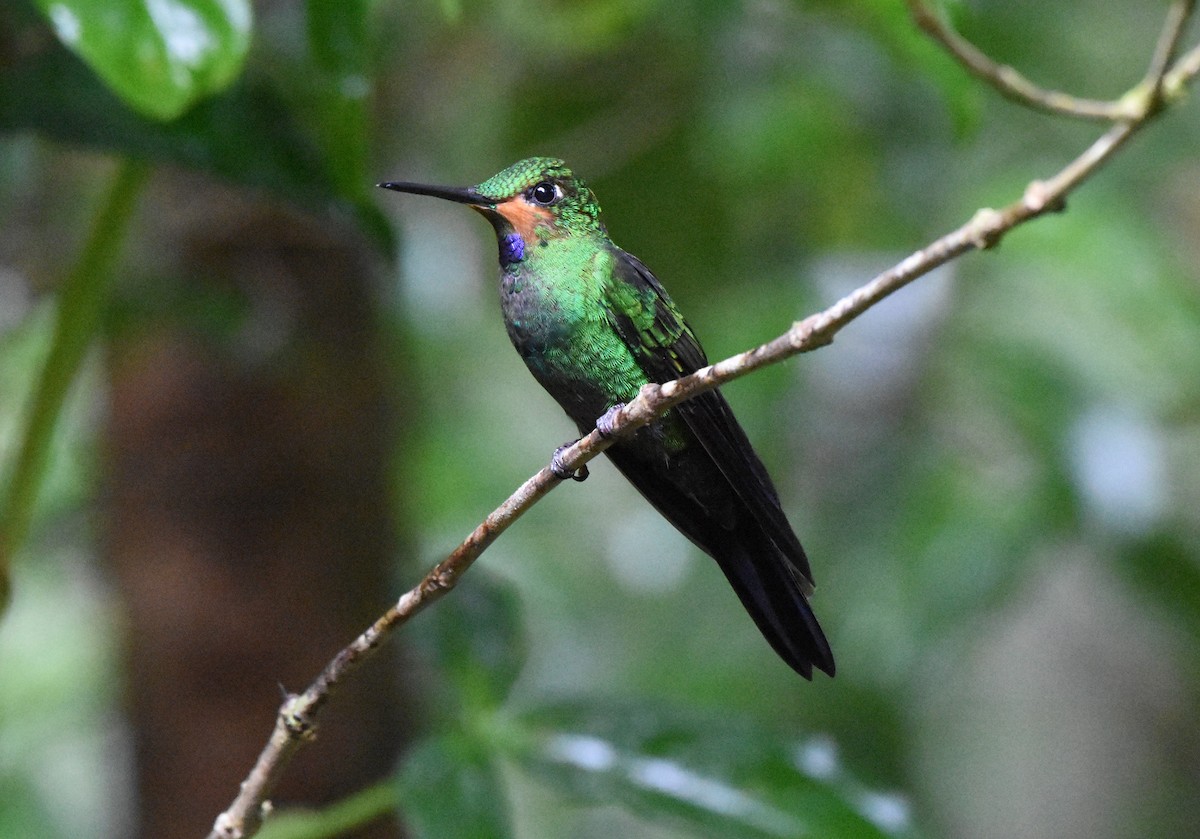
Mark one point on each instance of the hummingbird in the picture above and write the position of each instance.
(594, 325)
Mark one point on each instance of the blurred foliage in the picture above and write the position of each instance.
(703, 772)
(994, 473)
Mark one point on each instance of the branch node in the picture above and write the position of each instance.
(441, 579)
(226, 828)
(807, 335)
(1040, 198)
(1139, 102)
(296, 719)
(642, 408)
(986, 228)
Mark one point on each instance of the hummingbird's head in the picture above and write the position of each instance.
(541, 198)
(530, 203)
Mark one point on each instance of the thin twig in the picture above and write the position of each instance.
(1177, 79)
(1168, 42)
(1009, 82)
(297, 718)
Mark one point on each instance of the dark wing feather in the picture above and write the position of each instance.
(768, 587)
(670, 350)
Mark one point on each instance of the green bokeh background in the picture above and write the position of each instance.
(995, 473)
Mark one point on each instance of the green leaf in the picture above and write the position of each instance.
(249, 134)
(160, 56)
(449, 786)
(479, 639)
(338, 819)
(709, 774)
(246, 135)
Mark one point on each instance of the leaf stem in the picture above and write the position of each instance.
(81, 302)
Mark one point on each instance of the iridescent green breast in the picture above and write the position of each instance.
(555, 306)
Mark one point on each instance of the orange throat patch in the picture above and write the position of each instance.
(524, 217)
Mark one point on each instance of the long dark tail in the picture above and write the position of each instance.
(758, 568)
(769, 591)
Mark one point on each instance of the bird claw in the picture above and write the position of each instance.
(560, 469)
(605, 424)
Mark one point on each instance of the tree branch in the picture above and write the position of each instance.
(1163, 85)
(1013, 85)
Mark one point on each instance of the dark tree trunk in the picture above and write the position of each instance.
(248, 520)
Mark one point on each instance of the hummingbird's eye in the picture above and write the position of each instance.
(544, 193)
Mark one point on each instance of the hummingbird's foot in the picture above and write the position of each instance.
(605, 424)
(560, 470)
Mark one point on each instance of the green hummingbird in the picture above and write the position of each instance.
(594, 326)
